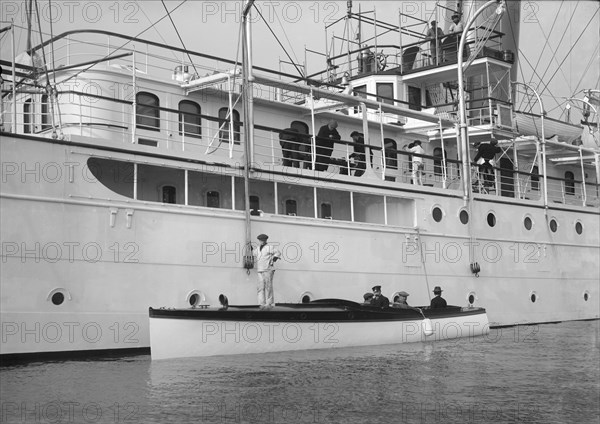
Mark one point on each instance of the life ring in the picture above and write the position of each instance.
(381, 61)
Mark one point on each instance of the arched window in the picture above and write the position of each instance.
(213, 199)
(28, 116)
(535, 178)
(437, 161)
(224, 124)
(291, 207)
(569, 183)
(169, 194)
(147, 111)
(190, 120)
(46, 121)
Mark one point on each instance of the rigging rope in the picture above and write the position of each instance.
(179, 36)
(277, 38)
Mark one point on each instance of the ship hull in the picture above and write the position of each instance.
(111, 257)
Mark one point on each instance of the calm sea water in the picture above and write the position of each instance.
(537, 374)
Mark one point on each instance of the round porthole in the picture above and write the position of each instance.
(195, 298)
(579, 227)
(464, 216)
(533, 297)
(553, 225)
(528, 223)
(437, 214)
(471, 298)
(491, 219)
(306, 297)
(58, 298)
(586, 296)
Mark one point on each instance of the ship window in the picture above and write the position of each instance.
(58, 298)
(28, 116)
(359, 91)
(326, 210)
(254, 205)
(586, 296)
(45, 113)
(579, 227)
(169, 194)
(464, 216)
(491, 219)
(553, 225)
(213, 199)
(535, 178)
(471, 298)
(528, 223)
(437, 161)
(291, 207)
(224, 125)
(569, 183)
(414, 98)
(190, 120)
(437, 214)
(385, 92)
(533, 297)
(147, 111)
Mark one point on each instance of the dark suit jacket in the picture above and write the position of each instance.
(438, 302)
(381, 302)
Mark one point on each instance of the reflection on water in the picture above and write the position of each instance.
(537, 374)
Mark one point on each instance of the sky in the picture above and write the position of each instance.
(213, 27)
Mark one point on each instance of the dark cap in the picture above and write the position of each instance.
(376, 288)
(403, 293)
(456, 15)
(367, 296)
(417, 142)
(437, 289)
(262, 237)
(355, 133)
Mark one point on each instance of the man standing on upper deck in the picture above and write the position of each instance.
(457, 26)
(324, 144)
(434, 34)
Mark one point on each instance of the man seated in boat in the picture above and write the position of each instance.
(379, 300)
(401, 303)
(367, 298)
(438, 301)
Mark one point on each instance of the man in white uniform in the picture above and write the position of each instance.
(266, 255)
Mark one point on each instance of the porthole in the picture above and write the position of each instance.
(579, 227)
(586, 296)
(306, 297)
(464, 216)
(533, 296)
(491, 219)
(195, 298)
(528, 223)
(553, 225)
(58, 298)
(471, 297)
(437, 214)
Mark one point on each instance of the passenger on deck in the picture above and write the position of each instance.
(400, 302)
(289, 139)
(433, 34)
(367, 298)
(457, 26)
(379, 300)
(438, 301)
(359, 160)
(417, 162)
(324, 144)
(487, 152)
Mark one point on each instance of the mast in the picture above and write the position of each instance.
(248, 125)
